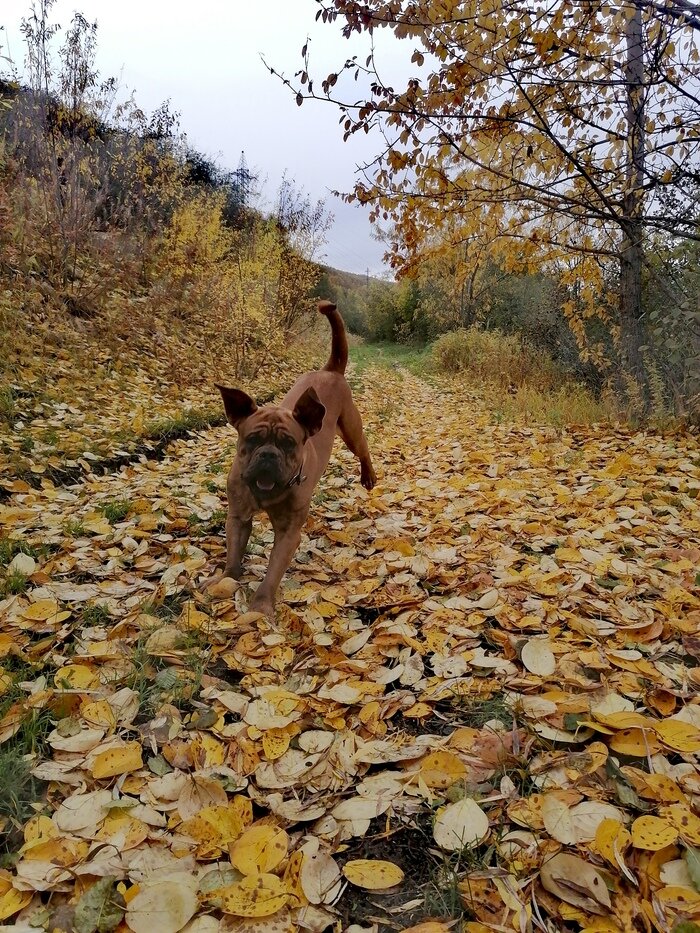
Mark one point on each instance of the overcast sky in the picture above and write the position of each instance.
(205, 57)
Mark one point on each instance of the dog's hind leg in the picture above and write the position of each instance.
(350, 429)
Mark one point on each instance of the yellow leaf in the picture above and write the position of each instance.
(214, 826)
(652, 833)
(611, 837)
(637, 743)
(685, 821)
(460, 825)
(163, 906)
(538, 658)
(441, 769)
(619, 466)
(207, 750)
(261, 848)
(13, 901)
(123, 832)
(418, 711)
(259, 895)
(275, 743)
(625, 720)
(99, 713)
(575, 882)
(678, 735)
(43, 610)
(661, 788)
(39, 829)
(119, 760)
(75, 677)
(372, 874)
(292, 878)
(58, 850)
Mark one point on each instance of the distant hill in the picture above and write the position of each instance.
(350, 291)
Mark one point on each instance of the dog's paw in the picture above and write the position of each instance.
(263, 606)
(368, 478)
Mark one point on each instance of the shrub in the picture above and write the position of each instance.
(494, 357)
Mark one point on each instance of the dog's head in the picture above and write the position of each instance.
(271, 440)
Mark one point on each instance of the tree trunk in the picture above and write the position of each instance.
(631, 316)
(632, 246)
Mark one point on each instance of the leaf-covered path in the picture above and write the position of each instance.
(483, 673)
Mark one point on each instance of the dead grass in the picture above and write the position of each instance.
(519, 382)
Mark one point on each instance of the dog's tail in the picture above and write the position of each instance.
(338, 359)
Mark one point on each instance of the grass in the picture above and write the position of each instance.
(7, 405)
(569, 404)
(192, 419)
(517, 382)
(442, 897)
(19, 790)
(10, 547)
(477, 711)
(74, 528)
(156, 683)
(393, 355)
(116, 510)
(95, 615)
(13, 584)
(215, 524)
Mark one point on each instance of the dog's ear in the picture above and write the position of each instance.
(309, 412)
(237, 404)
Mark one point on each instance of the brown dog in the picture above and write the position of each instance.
(282, 452)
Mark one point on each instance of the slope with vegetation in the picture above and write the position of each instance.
(134, 273)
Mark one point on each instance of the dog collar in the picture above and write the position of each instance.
(297, 479)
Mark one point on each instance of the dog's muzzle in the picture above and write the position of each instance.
(264, 473)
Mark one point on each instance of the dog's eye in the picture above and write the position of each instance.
(254, 439)
(286, 442)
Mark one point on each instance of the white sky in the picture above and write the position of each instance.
(205, 57)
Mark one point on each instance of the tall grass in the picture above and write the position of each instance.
(518, 380)
(495, 357)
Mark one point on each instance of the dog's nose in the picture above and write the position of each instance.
(268, 455)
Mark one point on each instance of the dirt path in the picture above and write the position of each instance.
(510, 618)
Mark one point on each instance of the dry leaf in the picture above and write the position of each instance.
(372, 874)
(576, 882)
(165, 906)
(460, 825)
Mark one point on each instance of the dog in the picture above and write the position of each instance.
(282, 452)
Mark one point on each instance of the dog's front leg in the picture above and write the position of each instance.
(287, 530)
(237, 534)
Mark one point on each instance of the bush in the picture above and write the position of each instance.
(495, 357)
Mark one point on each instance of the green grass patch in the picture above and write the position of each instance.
(74, 528)
(19, 791)
(95, 615)
(10, 547)
(477, 711)
(8, 409)
(192, 419)
(116, 510)
(13, 584)
(389, 355)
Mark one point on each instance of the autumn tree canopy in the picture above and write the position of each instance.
(558, 130)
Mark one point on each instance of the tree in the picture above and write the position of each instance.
(554, 125)
(302, 226)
